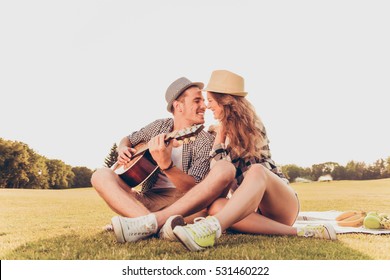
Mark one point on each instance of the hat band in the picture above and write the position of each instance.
(227, 91)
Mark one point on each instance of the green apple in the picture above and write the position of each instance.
(372, 222)
(375, 214)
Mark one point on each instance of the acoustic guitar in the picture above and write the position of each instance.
(142, 164)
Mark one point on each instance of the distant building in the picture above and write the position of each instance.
(302, 180)
(325, 178)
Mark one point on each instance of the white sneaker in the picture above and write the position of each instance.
(200, 235)
(166, 232)
(324, 231)
(134, 229)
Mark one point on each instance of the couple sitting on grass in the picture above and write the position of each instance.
(226, 175)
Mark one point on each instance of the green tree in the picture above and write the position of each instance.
(329, 167)
(380, 165)
(355, 170)
(387, 168)
(37, 171)
(60, 174)
(339, 173)
(292, 171)
(306, 173)
(112, 156)
(14, 161)
(4, 155)
(317, 171)
(375, 170)
(21, 167)
(82, 177)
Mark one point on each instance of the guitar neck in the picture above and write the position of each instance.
(168, 137)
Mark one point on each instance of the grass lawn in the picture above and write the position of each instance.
(67, 224)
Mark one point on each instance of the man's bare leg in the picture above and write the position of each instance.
(119, 197)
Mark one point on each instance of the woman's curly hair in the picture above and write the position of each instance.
(242, 125)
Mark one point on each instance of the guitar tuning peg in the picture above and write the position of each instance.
(186, 140)
(192, 138)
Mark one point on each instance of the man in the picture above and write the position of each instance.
(180, 166)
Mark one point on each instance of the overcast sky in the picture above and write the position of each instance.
(77, 76)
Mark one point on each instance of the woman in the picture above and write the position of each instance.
(262, 202)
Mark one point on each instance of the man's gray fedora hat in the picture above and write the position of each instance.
(177, 88)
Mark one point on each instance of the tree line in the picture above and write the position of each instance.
(353, 170)
(22, 167)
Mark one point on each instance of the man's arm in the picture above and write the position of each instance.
(161, 153)
(183, 182)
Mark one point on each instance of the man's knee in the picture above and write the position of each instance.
(217, 206)
(224, 171)
(99, 176)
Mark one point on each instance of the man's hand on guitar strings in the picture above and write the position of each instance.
(160, 151)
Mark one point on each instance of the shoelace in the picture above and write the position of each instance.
(144, 228)
(201, 228)
(313, 229)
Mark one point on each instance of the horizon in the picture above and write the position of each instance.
(280, 165)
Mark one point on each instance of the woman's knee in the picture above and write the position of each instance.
(258, 171)
(217, 206)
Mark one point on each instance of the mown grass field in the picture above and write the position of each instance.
(67, 224)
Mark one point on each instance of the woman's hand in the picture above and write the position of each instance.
(221, 134)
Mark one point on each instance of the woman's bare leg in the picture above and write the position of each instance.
(261, 187)
(202, 194)
(254, 223)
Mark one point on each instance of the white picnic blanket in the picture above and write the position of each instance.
(330, 217)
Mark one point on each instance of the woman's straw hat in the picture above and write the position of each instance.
(223, 81)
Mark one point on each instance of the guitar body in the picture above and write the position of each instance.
(138, 169)
(142, 164)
